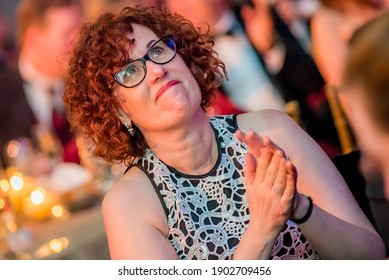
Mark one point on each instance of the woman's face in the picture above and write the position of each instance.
(168, 94)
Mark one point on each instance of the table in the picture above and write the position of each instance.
(80, 237)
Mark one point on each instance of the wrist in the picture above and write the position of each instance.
(302, 210)
(267, 233)
(255, 244)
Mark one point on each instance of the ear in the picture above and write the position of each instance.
(123, 117)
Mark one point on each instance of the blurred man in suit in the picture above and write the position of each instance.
(30, 95)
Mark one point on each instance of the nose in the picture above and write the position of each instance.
(155, 72)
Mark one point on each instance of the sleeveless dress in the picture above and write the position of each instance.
(208, 214)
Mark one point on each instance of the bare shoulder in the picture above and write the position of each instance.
(130, 195)
(283, 131)
(264, 121)
(134, 218)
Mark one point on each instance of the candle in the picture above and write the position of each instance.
(38, 204)
(4, 185)
(21, 187)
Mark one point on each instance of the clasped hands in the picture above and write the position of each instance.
(270, 184)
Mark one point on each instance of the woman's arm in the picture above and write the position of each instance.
(337, 228)
(134, 220)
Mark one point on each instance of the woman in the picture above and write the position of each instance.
(139, 83)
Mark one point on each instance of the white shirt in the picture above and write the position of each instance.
(249, 86)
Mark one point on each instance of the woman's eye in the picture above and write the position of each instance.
(129, 72)
(157, 51)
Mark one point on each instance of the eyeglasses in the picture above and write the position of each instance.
(161, 52)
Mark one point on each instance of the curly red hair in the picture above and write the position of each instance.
(101, 48)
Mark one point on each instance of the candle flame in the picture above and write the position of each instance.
(57, 211)
(4, 185)
(54, 246)
(37, 196)
(17, 182)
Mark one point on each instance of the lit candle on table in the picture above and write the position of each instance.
(21, 187)
(38, 204)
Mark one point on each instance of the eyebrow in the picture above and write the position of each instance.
(147, 46)
(150, 43)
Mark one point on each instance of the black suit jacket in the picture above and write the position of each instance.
(17, 118)
(299, 79)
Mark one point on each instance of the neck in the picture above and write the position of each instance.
(190, 149)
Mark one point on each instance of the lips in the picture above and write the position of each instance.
(166, 87)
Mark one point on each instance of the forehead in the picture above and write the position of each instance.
(143, 36)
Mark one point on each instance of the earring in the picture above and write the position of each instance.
(130, 129)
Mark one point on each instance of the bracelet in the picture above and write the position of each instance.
(307, 215)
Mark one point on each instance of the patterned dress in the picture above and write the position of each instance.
(208, 214)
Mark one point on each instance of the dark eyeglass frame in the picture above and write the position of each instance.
(145, 58)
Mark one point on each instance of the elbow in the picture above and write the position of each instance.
(374, 250)
(381, 250)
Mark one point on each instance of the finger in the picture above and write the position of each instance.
(254, 143)
(263, 162)
(240, 135)
(270, 144)
(272, 170)
(280, 181)
(249, 168)
(290, 188)
(290, 168)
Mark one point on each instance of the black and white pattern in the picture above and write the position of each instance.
(208, 214)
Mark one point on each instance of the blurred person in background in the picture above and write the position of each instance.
(31, 95)
(285, 34)
(332, 26)
(249, 86)
(364, 95)
(7, 44)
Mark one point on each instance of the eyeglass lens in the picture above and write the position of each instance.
(160, 52)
